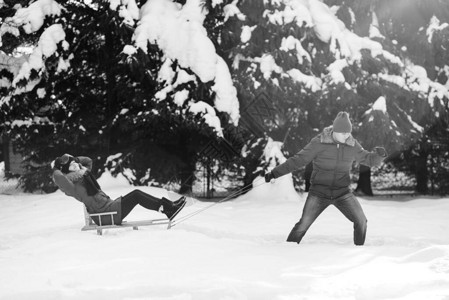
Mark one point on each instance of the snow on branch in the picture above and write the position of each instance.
(273, 153)
(32, 18)
(379, 105)
(209, 115)
(46, 47)
(347, 46)
(12, 64)
(295, 11)
(374, 31)
(415, 79)
(231, 10)
(291, 43)
(127, 9)
(30, 122)
(327, 27)
(420, 82)
(179, 32)
(434, 26)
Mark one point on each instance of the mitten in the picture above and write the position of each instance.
(381, 151)
(269, 176)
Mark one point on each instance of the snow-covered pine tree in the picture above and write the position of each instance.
(72, 104)
(312, 65)
(413, 31)
(125, 88)
(268, 62)
(194, 101)
(39, 49)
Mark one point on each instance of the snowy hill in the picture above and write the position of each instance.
(234, 250)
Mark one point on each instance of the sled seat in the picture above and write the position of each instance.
(90, 224)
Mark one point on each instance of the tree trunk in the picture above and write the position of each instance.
(421, 174)
(108, 62)
(6, 154)
(187, 171)
(364, 182)
(187, 177)
(209, 193)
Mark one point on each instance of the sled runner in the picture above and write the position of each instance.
(90, 225)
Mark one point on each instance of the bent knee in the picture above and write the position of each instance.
(135, 192)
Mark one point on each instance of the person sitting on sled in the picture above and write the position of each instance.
(73, 176)
(332, 152)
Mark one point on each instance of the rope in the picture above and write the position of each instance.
(234, 194)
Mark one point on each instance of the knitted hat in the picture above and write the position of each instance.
(342, 123)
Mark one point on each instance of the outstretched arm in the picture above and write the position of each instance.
(370, 159)
(300, 159)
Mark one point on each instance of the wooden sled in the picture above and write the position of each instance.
(90, 224)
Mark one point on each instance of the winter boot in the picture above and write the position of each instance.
(171, 209)
(180, 200)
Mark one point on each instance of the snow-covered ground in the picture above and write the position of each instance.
(233, 250)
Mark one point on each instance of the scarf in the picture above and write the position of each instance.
(89, 181)
(91, 184)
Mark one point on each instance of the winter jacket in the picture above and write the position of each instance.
(332, 162)
(75, 186)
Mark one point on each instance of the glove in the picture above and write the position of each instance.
(381, 151)
(269, 176)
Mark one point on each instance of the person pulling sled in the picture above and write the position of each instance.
(332, 153)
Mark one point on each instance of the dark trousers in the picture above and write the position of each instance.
(130, 201)
(315, 205)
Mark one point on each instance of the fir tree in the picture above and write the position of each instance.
(413, 31)
(305, 56)
(96, 98)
